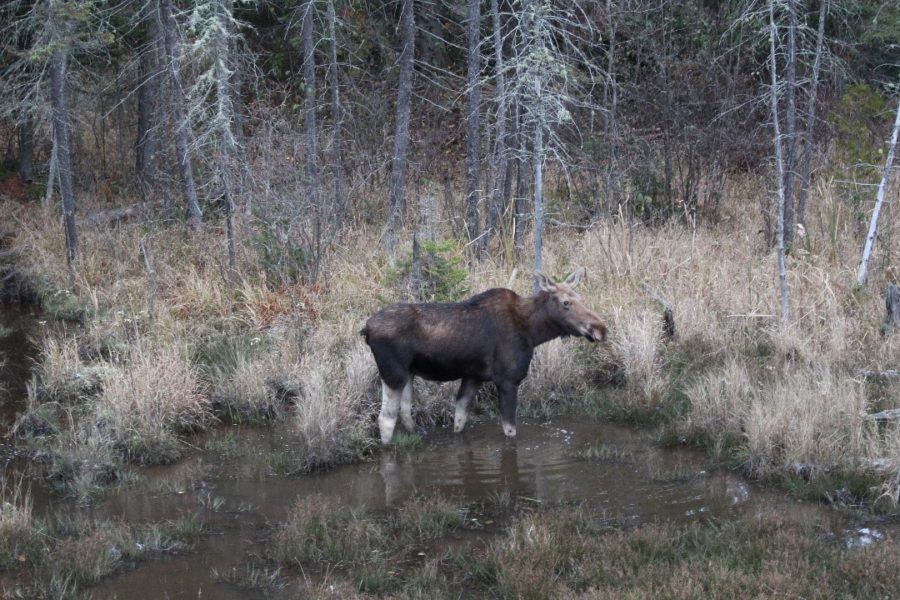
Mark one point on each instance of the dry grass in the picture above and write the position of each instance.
(734, 378)
(572, 552)
(148, 401)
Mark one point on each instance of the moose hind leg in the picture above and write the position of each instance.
(406, 406)
(467, 390)
(508, 400)
(390, 407)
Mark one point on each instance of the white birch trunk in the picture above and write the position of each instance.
(863, 272)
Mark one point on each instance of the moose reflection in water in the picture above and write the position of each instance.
(489, 337)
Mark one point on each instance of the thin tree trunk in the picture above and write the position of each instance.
(401, 134)
(182, 127)
(521, 184)
(51, 174)
(500, 150)
(610, 101)
(26, 149)
(790, 133)
(63, 141)
(337, 115)
(312, 163)
(473, 138)
(779, 169)
(538, 198)
(811, 116)
(148, 97)
(863, 272)
(224, 93)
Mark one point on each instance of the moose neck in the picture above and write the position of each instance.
(541, 328)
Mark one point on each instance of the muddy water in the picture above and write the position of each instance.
(17, 324)
(226, 480)
(240, 499)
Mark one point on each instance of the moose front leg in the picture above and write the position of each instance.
(467, 390)
(508, 399)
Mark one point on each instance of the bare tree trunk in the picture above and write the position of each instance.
(610, 101)
(337, 115)
(538, 198)
(224, 92)
(779, 169)
(62, 140)
(312, 161)
(26, 149)
(473, 138)
(51, 174)
(811, 116)
(500, 150)
(147, 99)
(182, 127)
(401, 134)
(790, 133)
(863, 272)
(521, 184)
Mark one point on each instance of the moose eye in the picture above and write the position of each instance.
(566, 303)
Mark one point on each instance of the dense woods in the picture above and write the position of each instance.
(638, 109)
(208, 198)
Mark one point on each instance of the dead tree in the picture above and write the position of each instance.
(62, 138)
(779, 168)
(500, 166)
(397, 206)
(473, 137)
(312, 160)
(177, 104)
(811, 116)
(863, 272)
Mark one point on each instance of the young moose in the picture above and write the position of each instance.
(489, 337)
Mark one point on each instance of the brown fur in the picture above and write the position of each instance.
(490, 337)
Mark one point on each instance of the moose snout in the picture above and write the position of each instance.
(596, 332)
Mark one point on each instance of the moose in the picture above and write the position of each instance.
(489, 337)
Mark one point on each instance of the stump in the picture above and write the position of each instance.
(892, 306)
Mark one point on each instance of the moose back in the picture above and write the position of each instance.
(489, 337)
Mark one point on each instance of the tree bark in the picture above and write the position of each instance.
(147, 100)
(312, 161)
(790, 124)
(811, 116)
(538, 198)
(521, 184)
(401, 134)
(863, 272)
(62, 135)
(337, 115)
(179, 114)
(26, 149)
(224, 92)
(473, 138)
(500, 149)
(779, 169)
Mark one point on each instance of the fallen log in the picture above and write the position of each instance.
(886, 374)
(111, 215)
(891, 414)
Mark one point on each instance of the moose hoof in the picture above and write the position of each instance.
(509, 430)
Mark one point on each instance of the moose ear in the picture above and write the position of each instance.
(543, 282)
(573, 279)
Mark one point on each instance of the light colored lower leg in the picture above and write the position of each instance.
(390, 406)
(406, 407)
(509, 429)
(461, 414)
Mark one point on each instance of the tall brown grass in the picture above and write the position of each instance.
(735, 379)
